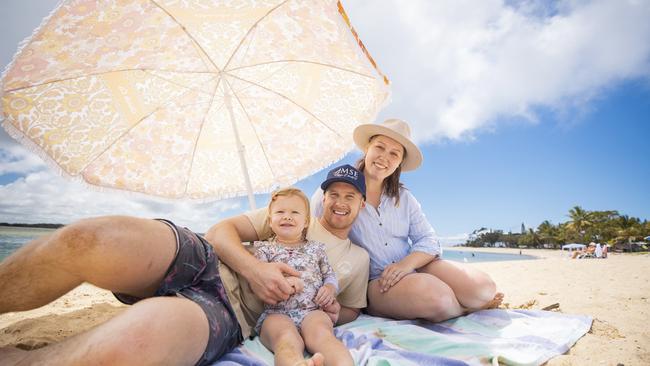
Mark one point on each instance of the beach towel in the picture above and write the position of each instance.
(488, 337)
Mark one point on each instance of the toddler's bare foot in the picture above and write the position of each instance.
(316, 360)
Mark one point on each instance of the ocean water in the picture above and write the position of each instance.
(470, 257)
(12, 238)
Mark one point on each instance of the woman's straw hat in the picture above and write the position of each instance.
(397, 130)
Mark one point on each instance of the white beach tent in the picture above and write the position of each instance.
(573, 246)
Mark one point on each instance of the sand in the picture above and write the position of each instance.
(613, 291)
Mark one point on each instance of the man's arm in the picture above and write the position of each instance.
(267, 280)
(340, 314)
(347, 315)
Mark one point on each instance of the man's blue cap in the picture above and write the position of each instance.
(346, 174)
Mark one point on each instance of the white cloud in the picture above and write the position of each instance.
(457, 66)
(18, 160)
(45, 197)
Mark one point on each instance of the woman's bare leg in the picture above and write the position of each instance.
(474, 289)
(416, 296)
(318, 333)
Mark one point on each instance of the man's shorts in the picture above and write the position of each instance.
(194, 274)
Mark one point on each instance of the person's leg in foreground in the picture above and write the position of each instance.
(280, 335)
(121, 254)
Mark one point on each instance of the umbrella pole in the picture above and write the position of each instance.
(240, 148)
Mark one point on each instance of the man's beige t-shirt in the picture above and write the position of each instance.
(349, 261)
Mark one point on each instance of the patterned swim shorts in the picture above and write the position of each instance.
(194, 274)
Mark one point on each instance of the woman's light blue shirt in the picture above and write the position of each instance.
(389, 233)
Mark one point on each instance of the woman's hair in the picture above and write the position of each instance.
(288, 192)
(391, 183)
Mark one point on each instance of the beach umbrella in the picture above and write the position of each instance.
(191, 99)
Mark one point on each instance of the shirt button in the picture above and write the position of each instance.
(380, 224)
(386, 244)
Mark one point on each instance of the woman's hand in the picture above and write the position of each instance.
(325, 296)
(296, 283)
(392, 274)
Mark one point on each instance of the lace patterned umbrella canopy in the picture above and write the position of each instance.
(182, 99)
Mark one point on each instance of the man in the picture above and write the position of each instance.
(344, 194)
(180, 314)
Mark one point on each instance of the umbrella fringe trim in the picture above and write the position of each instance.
(24, 43)
(34, 148)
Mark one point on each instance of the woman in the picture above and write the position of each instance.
(408, 278)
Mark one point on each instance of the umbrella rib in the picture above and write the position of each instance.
(290, 100)
(261, 79)
(130, 129)
(257, 136)
(194, 41)
(198, 135)
(303, 61)
(104, 73)
(180, 85)
(249, 32)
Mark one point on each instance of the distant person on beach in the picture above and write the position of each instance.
(188, 307)
(599, 251)
(585, 253)
(299, 319)
(408, 280)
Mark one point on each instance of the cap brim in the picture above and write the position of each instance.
(363, 133)
(329, 182)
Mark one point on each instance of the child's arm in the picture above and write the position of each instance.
(327, 293)
(296, 283)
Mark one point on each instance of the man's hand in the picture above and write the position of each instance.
(392, 274)
(268, 281)
(326, 295)
(332, 310)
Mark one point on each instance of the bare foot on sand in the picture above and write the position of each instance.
(492, 304)
(12, 355)
(495, 302)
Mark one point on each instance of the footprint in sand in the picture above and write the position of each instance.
(601, 328)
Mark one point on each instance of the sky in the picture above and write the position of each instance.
(522, 109)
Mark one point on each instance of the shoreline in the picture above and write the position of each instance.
(615, 292)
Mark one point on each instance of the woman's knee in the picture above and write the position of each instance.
(481, 290)
(433, 300)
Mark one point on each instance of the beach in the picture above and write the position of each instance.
(614, 291)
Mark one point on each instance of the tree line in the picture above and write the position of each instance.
(39, 225)
(583, 226)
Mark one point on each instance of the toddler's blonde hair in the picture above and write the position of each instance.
(288, 192)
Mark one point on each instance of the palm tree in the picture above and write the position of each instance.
(580, 221)
(548, 233)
